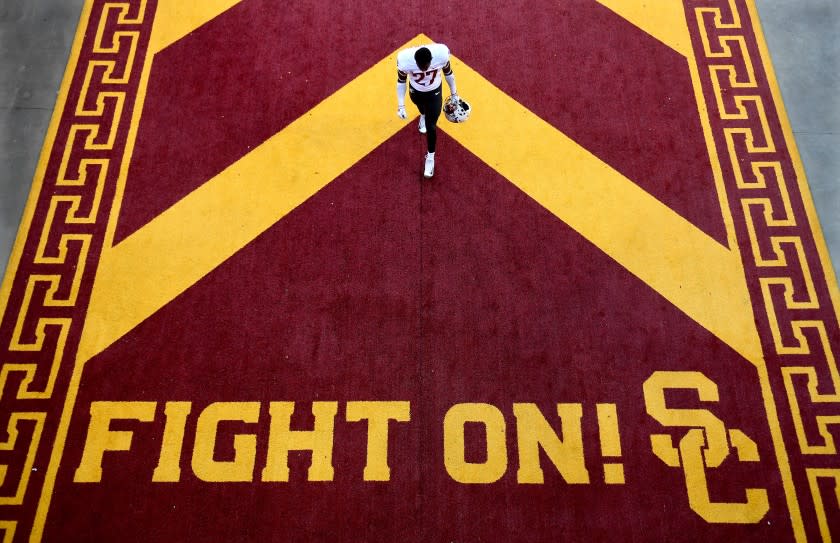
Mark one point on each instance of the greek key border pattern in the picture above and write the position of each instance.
(794, 310)
(46, 308)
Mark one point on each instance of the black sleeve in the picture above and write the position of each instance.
(402, 76)
(447, 70)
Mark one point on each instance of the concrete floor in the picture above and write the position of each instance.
(35, 38)
(803, 39)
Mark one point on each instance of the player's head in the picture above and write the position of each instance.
(423, 58)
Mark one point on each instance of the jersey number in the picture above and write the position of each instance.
(421, 77)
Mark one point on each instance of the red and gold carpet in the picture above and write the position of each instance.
(236, 312)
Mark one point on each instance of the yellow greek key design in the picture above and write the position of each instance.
(745, 104)
(798, 313)
(797, 261)
(809, 374)
(50, 284)
(9, 445)
(768, 212)
(9, 527)
(30, 370)
(124, 17)
(106, 68)
(720, 23)
(822, 515)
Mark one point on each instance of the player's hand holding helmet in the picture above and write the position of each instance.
(456, 109)
(401, 112)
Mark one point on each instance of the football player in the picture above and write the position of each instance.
(422, 67)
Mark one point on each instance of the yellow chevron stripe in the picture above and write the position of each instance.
(171, 253)
(662, 19)
(174, 19)
(161, 260)
(697, 274)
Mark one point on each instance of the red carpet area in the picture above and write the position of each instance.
(236, 311)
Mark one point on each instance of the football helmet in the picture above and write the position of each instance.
(456, 109)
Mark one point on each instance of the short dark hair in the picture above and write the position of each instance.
(423, 56)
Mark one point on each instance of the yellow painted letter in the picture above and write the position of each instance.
(534, 432)
(704, 446)
(458, 468)
(378, 414)
(168, 469)
(282, 439)
(241, 468)
(100, 438)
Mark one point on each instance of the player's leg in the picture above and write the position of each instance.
(433, 107)
(420, 101)
(429, 104)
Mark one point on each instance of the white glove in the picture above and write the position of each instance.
(401, 113)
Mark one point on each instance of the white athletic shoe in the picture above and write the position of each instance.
(422, 126)
(429, 170)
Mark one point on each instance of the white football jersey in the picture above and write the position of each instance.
(432, 78)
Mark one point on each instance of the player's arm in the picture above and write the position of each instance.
(402, 77)
(450, 78)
